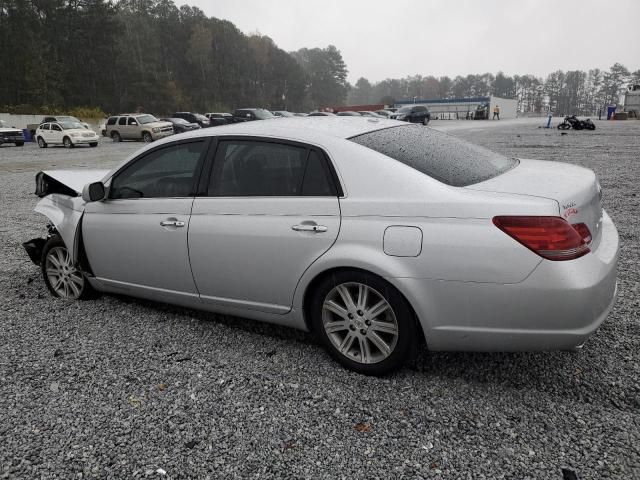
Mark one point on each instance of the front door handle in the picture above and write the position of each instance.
(172, 223)
(309, 228)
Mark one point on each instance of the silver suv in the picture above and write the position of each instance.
(137, 126)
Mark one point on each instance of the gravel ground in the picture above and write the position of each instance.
(122, 388)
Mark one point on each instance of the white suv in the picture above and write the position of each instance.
(67, 133)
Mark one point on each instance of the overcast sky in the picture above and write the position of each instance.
(394, 38)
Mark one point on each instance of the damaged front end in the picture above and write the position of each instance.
(61, 202)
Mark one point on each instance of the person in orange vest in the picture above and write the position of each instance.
(496, 112)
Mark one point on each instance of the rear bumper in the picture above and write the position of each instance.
(557, 307)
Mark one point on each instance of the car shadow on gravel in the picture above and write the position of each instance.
(575, 376)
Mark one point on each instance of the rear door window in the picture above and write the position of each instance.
(122, 121)
(253, 168)
(443, 157)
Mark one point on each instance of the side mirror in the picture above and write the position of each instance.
(93, 192)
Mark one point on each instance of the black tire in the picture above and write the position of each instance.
(115, 136)
(564, 126)
(94, 144)
(406, 344)
(19, 144)
(104, 133)
(425, 121)
(66, 141)
(146, 137)
(54, 244)
(41, 142)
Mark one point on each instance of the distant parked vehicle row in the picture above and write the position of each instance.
(180, 125)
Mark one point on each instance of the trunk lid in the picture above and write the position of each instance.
(575, 189)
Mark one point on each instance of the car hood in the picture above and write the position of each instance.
(10, 130)
(66, 182)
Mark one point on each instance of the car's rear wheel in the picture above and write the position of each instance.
(62, 278)
(66, 141)
(42, 143)
(93, 144)
(19, 144)
(363, 322)
(115, 136)
(425, 121)
(147, 138)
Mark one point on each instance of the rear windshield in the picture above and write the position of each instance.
(448, 159)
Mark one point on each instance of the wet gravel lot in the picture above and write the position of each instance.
(121, 388)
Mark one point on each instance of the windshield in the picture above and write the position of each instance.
(176, 120)
(404, 110)
(142, 119)
(448, 159)
(202, 118)
(285, 114)
(69, 125)
(263, 114)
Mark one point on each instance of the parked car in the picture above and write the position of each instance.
(64, 118)
(283, 113)
(321, 114)
(349, 114)
(385, 113)
(357, 231)
(413, 114)
(137, 126)
(301, 114)
(250, 114)
(67, 133)
(217, 119)
(180, 125)
(10, 134)
(193, 118)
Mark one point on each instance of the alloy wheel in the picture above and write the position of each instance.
(64, 278)
(360, 322)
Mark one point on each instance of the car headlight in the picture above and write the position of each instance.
(155, 129)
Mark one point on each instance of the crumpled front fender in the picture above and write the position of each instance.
(65, 213)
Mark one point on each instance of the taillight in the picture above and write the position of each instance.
(583, 231)
(550, 237)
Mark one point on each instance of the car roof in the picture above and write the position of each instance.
(306, 129)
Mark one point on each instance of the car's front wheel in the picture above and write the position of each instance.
(19, 144)
(42, 143)
(93, 144)
(147, 138)
(364, 322)
(62, 278)
(66, 141)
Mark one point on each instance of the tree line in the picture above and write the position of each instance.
(115, 56)
(571, 92)
(154, 56)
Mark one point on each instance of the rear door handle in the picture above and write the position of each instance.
(309, 228)
(172, 223)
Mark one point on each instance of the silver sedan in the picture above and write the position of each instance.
(376, 235)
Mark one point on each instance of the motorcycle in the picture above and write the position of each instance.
(571, 121)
